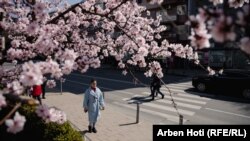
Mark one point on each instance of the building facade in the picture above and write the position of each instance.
(174, 16)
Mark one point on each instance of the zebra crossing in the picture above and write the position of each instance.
(187, 104)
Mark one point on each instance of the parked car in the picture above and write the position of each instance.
(230, 81)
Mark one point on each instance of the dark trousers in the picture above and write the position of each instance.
(154, 91)
(158, 91)
(38, 98)
(43, 89)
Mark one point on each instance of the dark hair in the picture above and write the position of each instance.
(92, 80)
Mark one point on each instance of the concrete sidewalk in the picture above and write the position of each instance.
(112, 126)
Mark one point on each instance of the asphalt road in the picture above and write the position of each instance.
(197, 108)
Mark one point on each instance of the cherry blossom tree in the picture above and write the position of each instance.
(44, 37)
(52, 38)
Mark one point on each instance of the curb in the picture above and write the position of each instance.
(85, 137)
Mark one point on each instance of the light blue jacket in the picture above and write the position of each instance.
(93, 101)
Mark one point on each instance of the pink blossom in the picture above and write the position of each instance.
(51, 114)
(39, 7)
(155, 68)
(189, 52)
(124, 72)
(15, 125)
(15, 43)
(33, 28)
(62, 118)
(221, 71)
(134, 30)
(148, 73)
(237, 3)
(245, 44)
(31, 74)
(120, 17)
(67, 67)
(158, 36)
(143, 51)
(223, 30)
(200, 39)
(15, 87)
(216, 2)
(69, 55)
(140, 40)
(210, 71)
(156, 1)
(195, 56)
(2, 101)
(41, 110)
(121, 65)
(243, 15)
(197, 23)
(197, 62)
(51, 83)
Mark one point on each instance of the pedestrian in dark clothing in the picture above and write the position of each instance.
(155, 87)
(36, 92)
(43, 89)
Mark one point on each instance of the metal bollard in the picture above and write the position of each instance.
(181, 120)
(137, 112)
(103, 95)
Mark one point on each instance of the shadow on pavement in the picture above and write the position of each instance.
(112, 80)
(128, 124)
(83, 132)
(140, 99)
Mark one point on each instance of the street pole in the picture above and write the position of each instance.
(137, 112)
(181, 120)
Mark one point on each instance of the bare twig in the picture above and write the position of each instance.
(18, 105)
(172, 99)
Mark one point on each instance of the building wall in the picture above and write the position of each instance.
(174, 16)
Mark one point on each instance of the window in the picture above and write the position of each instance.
(181, 10)
(139, 1)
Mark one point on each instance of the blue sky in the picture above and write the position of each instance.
(73, 1)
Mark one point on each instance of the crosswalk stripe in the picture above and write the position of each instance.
(166, 101)
(127, 99)
(184, 94)
(175, 90)
(181, 84)
(164, 107)
(181, 99)
(198, 94)
(168, 117)
(180, 104)
(167, 108)
(176, 87)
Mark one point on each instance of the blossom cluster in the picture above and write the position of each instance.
(51, 114)
(219, 25)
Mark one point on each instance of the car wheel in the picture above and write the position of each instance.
(201, 87)
(246, 93)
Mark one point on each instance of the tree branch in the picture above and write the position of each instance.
(63, 13)
(10, 113)
(124, 1)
